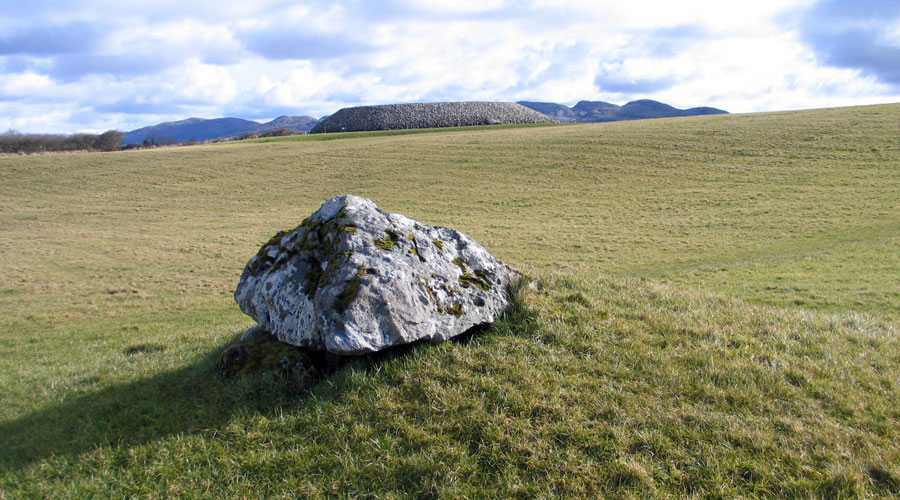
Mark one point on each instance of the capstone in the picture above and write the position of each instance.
(354, 279)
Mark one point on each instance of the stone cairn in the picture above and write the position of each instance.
(428, 115)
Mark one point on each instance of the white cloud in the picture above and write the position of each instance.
(650, 14)
(35, 118)
(297, 86)
(176, 40)
(455, 6)
(207, 83)
(25, 85)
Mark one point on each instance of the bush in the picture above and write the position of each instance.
(111, 140)
(15, 142)
(281, 132)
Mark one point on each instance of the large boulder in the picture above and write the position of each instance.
(353, 279)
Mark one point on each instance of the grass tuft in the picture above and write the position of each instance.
(137, 349)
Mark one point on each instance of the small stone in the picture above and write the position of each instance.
(388, 281)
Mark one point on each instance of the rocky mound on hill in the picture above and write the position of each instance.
(427, 115)
(353, 279)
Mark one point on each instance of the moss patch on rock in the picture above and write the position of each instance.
(347, 295)
(273, 241)
(455, 309)
(479, 280)
(388, 241)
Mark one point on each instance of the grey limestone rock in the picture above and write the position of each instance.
(353, 279)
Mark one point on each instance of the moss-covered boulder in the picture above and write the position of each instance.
(353, 279)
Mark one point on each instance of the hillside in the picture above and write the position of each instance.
(715, 313)
(427, 115)
(599, 111)
(200, 129)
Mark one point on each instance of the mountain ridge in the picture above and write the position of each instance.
(600, 111)
(203, 129)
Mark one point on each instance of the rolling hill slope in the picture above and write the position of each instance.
(714, 313)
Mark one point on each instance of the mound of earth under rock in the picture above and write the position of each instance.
(428, 115)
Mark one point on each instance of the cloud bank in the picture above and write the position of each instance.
(859, 35)
(92, 65)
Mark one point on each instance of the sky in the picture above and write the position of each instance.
(71, 66)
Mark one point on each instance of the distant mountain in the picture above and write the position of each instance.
(558, 112)
(201, 129)
(599, 111)
(301, 123)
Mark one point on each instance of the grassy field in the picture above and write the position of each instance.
(717, 316)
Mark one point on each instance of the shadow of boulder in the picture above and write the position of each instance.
(193, 399)
(198, 399)
(190, 400)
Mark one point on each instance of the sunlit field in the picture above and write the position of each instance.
(714, 312)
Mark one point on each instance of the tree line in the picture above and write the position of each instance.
(15, 142)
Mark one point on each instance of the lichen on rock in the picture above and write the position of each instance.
(387, 281)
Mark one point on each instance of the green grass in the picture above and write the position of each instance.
(717, 315)
(385, 133)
